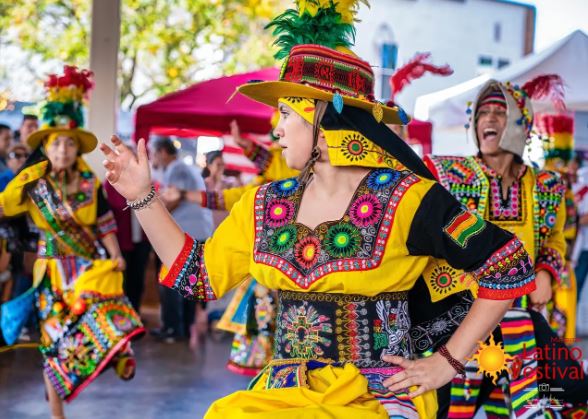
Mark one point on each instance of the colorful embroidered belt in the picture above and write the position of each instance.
(342, 327)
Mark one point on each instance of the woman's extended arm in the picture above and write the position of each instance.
(130, 176)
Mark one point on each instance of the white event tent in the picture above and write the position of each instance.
(446, 108)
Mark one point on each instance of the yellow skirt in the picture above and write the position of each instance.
(565, 299)
(326, 392)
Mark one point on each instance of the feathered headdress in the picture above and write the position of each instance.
(328, 23)
(65, 95)
(314, 40)
(415, 69)
(548, 86)
(558, 144)
(64, 108)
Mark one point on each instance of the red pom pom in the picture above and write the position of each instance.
(51, 81)
(79, 307)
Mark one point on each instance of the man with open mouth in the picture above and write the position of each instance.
(529, 203)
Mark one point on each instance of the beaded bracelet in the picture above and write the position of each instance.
(142, 203)
(457, 366)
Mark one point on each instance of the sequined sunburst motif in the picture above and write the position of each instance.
(283, 239)
(342, 240)
(305, 331)
(381, 179)
(355, 147)
(442, 279)
(491, 359)
(121, 321)
(77, 354)
(286, 187)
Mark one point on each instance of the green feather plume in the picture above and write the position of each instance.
(327, 28)
(51, 112)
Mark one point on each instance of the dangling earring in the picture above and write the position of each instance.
(319, 112)
(316, 154)
(307, 171)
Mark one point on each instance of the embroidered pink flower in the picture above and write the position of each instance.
(365, 211)
(279, 212)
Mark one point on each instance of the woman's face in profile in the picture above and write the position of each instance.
(295, 137)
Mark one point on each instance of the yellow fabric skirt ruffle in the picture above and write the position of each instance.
(565, 299)
(330, 392)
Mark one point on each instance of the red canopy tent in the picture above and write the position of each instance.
(202, 109)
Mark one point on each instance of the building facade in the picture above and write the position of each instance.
(473, 36)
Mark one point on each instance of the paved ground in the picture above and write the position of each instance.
(171, 382)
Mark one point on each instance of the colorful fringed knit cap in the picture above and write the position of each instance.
(314, 41)
(517, 101)
(63, 110)
(493, 97)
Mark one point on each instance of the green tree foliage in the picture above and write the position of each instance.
(164, 45)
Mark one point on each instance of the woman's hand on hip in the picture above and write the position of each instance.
(426, 374)
(126, 171)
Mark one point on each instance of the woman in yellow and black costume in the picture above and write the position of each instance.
(353, 309)
(86, 322)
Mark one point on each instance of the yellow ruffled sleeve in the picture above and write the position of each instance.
(11, 200)
(232, 195)
(270, 163)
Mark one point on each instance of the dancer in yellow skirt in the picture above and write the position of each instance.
(558, 146)
(344, 244)
(86, 322)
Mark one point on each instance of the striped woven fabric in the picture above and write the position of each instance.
(519, 342)
(495, 407)
(464, 392)
(522, 393)
(518, 336)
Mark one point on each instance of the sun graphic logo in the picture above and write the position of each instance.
(491, 359)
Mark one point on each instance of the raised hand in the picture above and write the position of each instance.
(126, 171)
(244, 143)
